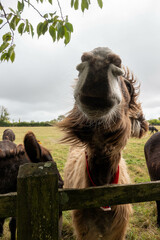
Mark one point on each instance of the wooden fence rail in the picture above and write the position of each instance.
(38, 200)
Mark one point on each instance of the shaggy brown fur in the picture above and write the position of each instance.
(100, 124)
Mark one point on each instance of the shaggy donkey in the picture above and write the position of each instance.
(11, 157)
(152, 155)
(8, 134)
(105, 115)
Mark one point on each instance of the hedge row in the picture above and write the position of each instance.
(26, 124)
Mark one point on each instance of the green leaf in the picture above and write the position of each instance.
(55, 18)
(20, 6)
(100, 3)
(13, 23)
(15, 20)
(11, 49)
(39, 29)
(59, 25)
(32, 30)
(84, 5)
(3, 46)
(7, 37)
(27, 29)
(9, 16)
(69, 27)
(50, 1)
(45, 27)
(67, 37)
(66, 20)
(12, 10)
(4, 56)
(76, 4)
(12, 56)
(72, 3)
(1, 8)
(60, 31)
(21, 28)
(45, 15)
(1, 21)
(52, 32)
(51, 14)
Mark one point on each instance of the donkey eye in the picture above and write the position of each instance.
(129, 87)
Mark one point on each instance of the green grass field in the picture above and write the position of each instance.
(143, 222)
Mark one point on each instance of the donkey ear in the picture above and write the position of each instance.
(32, 147)
(139, 126)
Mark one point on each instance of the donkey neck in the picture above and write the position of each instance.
(102, 164)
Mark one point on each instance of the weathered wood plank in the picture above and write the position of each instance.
(37, 202)
(92, 197)
(8, 205)
(109, 195)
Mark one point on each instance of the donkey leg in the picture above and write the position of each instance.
(1, 226)
(12, 227)
(158, 213)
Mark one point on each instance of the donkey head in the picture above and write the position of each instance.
(8, 134)
(105, 91)
(98, 90)
(35, 151)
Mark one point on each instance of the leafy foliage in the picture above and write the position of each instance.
(4, 115)
(154, 121)
(58, 26)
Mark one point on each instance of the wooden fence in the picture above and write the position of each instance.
(38, 200)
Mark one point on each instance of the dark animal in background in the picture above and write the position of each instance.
(152, 129)
(152, 155)
(11, 157)
(8, 134)
(106, 113)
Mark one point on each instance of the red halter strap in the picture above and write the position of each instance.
(115, 180)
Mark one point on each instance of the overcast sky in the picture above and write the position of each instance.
(38, 85)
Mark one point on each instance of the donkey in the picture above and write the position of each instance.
(153, 129)
(152, 155)
(8, 134)
(105, 114)
(11, 157)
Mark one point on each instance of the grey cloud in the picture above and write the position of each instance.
(38, 84)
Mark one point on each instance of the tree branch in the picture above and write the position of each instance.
(60, 9)
(3, 25)
(34, 8)
(7, 22)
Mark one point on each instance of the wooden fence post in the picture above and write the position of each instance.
(37, 202)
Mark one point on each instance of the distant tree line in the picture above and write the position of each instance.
(5, 121)
(154, 121)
